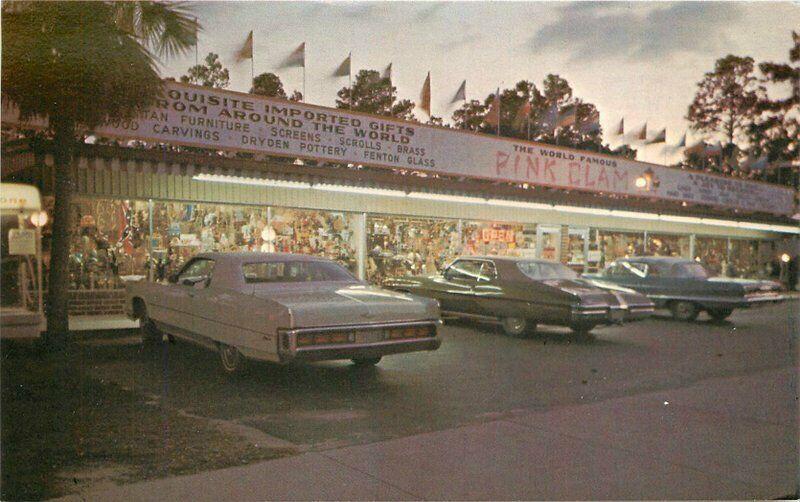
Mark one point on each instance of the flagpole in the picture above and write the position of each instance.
(497, 97)
(350, 77)
(253, 62)
(529, 127)
(196, 36)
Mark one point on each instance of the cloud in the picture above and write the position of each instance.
(640, 31)
(462, 41)
(426, 13)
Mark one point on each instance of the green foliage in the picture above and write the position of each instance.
(87, 62)
(726, 99)
(270, 85)
(537, 125)
(775, 131)
(373, 94)
(211, 74)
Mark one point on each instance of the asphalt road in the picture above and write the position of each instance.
(477, 375)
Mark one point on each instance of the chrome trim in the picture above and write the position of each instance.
(345, 346)
(396, 324)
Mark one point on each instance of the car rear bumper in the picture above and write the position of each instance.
(726, 303)
(360, 351)
(611, 315)
(289, 351)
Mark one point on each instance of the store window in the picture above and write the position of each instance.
(329, 234)
(399, 246)
(668, 245)
(109, 242)
(503, 239)
(578, 254)
(746, 259)
(182, 230)
(713, 254)
(614, 245)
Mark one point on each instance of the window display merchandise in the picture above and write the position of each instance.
(503, 239)
(399, 246)
(668, 245)
(109, 242)
(614, 245)
(713, 253)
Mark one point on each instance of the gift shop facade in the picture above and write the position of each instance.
(144, 213)
(380, 196)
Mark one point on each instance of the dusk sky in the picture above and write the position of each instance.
(640, 61)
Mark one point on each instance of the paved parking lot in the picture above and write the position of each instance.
(477, 376)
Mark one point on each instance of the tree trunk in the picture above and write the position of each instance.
(58, 278)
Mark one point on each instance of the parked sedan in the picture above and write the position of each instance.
(282, 308)
(520, 293)
(685, 287)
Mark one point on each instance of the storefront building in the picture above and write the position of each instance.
(142, 214)
(215, 170)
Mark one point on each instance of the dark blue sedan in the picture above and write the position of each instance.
(685, 287)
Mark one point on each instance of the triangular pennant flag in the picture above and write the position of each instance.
(246, 52)
(493, 115)
(696, 149)
(621, 128)
(552, 116)
(591, 123)
(296, 58)
(523, 114)
(567, 118)
(387, 72)
(760, 164)
(682, 143)
(713, 150)
(642, 135)
(661, 137)
(344, 69)
(425, 95)
(461, 93)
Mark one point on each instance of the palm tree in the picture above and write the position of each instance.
(79, 64)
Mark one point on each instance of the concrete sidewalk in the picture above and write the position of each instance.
(730, 438)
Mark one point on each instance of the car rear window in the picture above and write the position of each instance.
(294, 271)
(689, 271)
(543, 270)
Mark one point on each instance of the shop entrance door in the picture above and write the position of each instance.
(577, 249)
(548, 243)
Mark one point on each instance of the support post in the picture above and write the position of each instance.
(152, 268)
(361, 246)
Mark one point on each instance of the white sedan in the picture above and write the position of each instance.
(281, 308)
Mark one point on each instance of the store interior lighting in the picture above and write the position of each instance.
(220, 178)
(241, 180)
(359, 190)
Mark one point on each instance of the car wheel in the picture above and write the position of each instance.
(516, 326)
(720, 315)
(366, 361)
(684, 311)
(151, 335)
(232, 360)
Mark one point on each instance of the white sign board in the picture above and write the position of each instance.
(21, 241)
(198, 116)
(15, 197)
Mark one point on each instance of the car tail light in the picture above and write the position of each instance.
(284, 340)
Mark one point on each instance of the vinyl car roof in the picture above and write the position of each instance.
(513, 259)
(256, 257)
(657, 259)
(228, 266)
